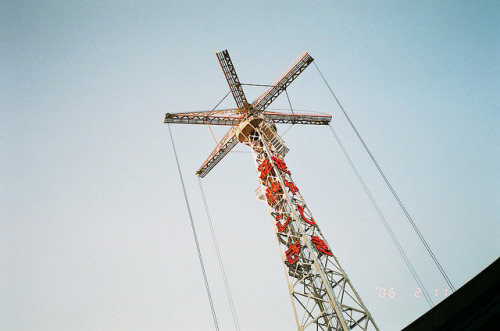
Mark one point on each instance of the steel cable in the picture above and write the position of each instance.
(219, 258)
(403, 208)
(194, 233)
(382, 217)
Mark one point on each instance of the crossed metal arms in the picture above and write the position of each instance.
(233, 117)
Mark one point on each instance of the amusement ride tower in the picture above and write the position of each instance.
(322, 295)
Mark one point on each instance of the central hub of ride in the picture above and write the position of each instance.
(246, 128)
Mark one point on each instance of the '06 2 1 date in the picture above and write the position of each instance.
(390, 292)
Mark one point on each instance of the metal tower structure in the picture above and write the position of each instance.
(322, 295)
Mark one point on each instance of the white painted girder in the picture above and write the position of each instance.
(322, 295)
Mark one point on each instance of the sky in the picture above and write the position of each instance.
(94, 230)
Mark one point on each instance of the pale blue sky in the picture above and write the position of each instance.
(94, 231)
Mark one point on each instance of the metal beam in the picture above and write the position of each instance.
(230, 117)
(218, 117)
(314, 119)
(225, 146)
(233, 81)
(270, 95)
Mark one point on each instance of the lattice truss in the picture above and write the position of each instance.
(322, 295)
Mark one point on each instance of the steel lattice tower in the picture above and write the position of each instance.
(322, 295)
